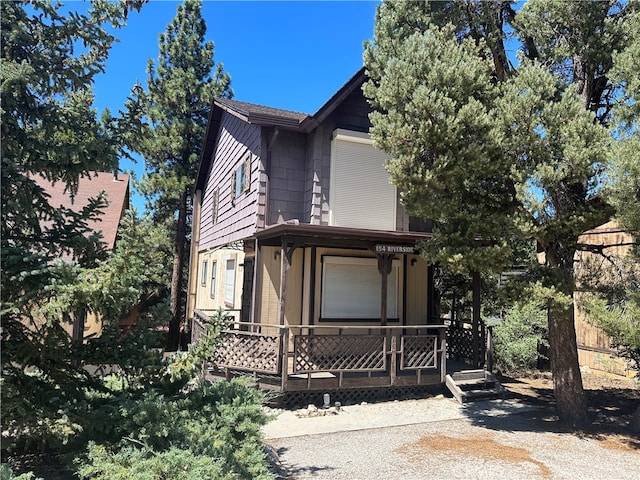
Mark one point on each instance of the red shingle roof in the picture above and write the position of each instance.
(117, 196)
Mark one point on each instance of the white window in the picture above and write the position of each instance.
(212, 290)
(351, 288)
(241, 178)
(230, 283)
(203, 274)
(360, 195)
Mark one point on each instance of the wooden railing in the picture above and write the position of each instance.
(460, 342)
(292, 352)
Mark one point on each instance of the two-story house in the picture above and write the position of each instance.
(300, 236)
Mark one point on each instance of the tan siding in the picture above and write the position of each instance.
(293, 307)
(416, 290)
(204, 300)
(269, 286)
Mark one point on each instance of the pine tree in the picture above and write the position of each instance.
(49, 128)
(173, 112)
(491, 151)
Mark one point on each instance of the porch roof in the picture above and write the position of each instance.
(329, 236)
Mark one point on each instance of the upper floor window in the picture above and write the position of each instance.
(241, 178)
(361, 194)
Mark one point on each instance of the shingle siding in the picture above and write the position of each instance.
(236, 219)
(287, 178)
(353, 113)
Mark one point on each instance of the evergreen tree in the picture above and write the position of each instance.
(491, 151)
(173, 112)
(49, 128)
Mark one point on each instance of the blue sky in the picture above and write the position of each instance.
(285, 54)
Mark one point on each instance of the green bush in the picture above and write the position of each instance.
(6, 473)
(219, 420)
(130, 463)
(518, 338)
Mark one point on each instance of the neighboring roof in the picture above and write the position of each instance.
(269, 117)
(116, 189)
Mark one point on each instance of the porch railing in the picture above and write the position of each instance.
(293, 353)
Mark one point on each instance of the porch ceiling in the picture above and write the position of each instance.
(327, 236)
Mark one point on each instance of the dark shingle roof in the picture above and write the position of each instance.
(260, 114)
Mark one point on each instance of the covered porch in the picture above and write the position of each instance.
(306, 358)
(340, 309)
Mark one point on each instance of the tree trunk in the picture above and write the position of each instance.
(173, 339)
(567, 380)
(635, 421)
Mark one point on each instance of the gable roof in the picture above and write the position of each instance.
(259, 114)
(116, 188)
(268, 117)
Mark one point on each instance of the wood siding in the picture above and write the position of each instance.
(287, 178)
(270, 287)
(236, 218)
(416, 295)
(594, 347)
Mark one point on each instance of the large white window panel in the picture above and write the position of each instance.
(351, 288)
(360, 193)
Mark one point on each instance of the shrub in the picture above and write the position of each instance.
(6, 473)
(219, 420)
(130, 463)
(518, 339)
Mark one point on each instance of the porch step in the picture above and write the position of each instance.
(470, 385)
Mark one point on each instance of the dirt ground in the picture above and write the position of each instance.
(612, 399)
(528, 445)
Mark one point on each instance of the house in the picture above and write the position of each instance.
(608, 245)
(116, 191)
(300, 237)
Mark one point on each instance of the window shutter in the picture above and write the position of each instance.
(214, 206)
(351, 288)
(361, 195)
(233, 188)
(247, 173)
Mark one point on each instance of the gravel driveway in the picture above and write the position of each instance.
(437, 438)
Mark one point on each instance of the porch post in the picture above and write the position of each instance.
(384, 267)
(285, 264)
(476, 317)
